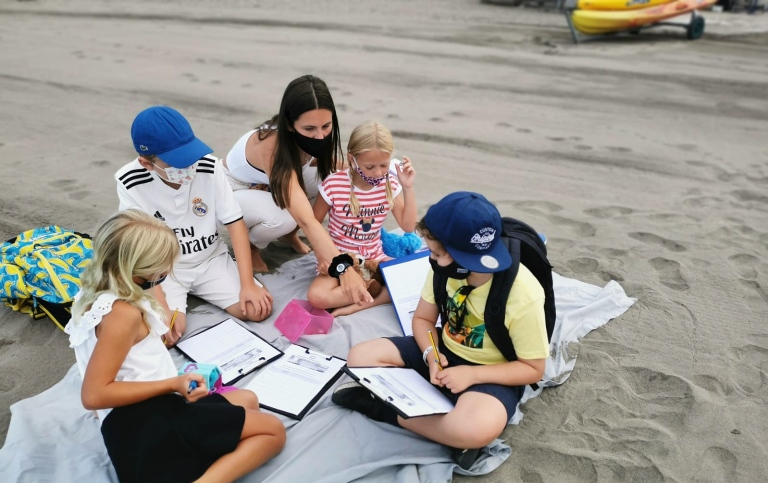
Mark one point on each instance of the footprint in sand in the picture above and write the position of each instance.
(537, 206)
(583, 147)
(456, 114)
(716, 464)
(576, 228)
(751, 361)
(749, 196)
(618, 149)
(608, 211)
(745, 264)
(436, 119)
(393, 116)
(524, 130)
(652, 239)
(65, 184)
(100, 163)
(757, 300)
(687, 147)
(503, 124)
(556, 139)
(582, 265)
(669, 273)
(79, 195)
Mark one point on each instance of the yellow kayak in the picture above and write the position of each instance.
(618, 4)
(595, 22)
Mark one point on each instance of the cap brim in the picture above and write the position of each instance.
(185, 155)
(494, 260)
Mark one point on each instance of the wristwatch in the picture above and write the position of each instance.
(341, 268)
(340, 264)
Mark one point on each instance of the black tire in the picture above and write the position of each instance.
(695, 29)
(634, 32)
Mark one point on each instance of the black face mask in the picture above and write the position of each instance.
(313, 147)
(454, 270)
(148, 284)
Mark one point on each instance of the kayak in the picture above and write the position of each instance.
(595, 22)
(618, 4)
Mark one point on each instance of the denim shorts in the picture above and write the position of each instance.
(509, 396)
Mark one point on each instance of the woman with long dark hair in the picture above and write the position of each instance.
(275, 169)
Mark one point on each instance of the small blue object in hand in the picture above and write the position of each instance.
(192, 386)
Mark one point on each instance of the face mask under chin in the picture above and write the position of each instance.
(453, 270)
(368, 179)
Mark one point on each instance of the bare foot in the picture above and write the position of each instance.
(348, 310)
(295, 242)
(257, 263)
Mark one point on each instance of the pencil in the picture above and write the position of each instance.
(173, 319)
(434, 349)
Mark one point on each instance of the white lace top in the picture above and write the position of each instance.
(147, 360)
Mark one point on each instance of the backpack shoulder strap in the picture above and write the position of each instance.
(440, 291)
(496, 305)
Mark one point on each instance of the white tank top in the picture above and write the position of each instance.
(147, 360)
(239, 167)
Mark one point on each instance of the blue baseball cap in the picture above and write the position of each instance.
(163, 132)
(469, 227)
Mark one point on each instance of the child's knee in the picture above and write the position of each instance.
(318, 296)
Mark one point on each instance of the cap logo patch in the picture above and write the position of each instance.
(483, 239)
(143, 148)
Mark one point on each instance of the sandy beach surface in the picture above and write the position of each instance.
(644, 160)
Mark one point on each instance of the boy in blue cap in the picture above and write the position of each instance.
(176, 180)
(463, 233)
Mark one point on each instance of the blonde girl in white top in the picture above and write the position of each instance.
(155, 425)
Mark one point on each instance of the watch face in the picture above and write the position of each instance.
(340, 267)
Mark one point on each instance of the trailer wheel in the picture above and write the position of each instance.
(695, 29)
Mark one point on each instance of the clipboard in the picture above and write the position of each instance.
(231, 346)
(405, 279)
(293, 384)
(403, 389)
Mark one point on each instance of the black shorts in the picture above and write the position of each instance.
(165, 438)
(509, 396)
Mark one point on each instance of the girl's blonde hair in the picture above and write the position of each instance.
(370, 136)
(130, 243)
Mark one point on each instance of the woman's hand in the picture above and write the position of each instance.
(183, 382)
(353, 286)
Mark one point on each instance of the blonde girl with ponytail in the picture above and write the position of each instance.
(357, 201)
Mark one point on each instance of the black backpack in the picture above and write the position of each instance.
(526, 246)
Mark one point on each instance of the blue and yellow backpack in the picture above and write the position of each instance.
(40, 271)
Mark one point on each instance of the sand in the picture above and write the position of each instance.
(643, 159)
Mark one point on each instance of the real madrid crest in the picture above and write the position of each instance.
(198, 207)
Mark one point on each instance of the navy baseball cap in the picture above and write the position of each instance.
(163, 132)
(469, 227)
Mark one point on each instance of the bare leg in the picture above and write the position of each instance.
(257, 263)
(325, 293)
(381, 299)
(295, 242)
(262, 438)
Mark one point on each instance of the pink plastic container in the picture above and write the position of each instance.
(300, 317)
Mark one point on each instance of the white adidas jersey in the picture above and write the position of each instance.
(192, 211)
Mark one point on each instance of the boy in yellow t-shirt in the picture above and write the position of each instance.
(463, 233)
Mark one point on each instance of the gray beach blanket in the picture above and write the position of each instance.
(51, 437)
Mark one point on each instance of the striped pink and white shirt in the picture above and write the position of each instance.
(357, 233)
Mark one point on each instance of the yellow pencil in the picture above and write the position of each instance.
(434, 349)
(173, 319)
